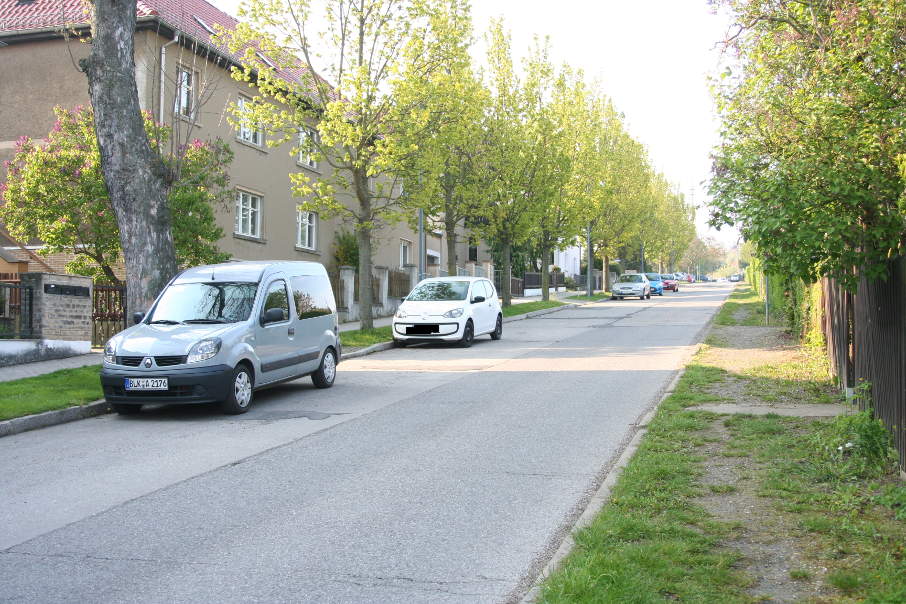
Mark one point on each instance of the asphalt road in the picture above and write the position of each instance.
(426, 474)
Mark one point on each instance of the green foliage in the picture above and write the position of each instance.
(811, 163)
(55, 192)
(853, 447)
(345, 249)
(894, 497)
(360, 338)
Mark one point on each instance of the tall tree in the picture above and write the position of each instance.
(518, 133)
(359, 122)
(134, 174)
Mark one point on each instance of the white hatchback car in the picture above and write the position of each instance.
(450, 309)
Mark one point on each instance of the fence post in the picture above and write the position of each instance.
(382, 274)
(413, 275)
(347, 282)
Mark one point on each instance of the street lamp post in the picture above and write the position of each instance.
(589, 282)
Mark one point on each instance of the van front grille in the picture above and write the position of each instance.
(129, 361)
(162, 361)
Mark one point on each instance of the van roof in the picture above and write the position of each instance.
(248, 271)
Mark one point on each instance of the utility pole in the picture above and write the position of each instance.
(589, 282)
(643, 257)
(422, 253)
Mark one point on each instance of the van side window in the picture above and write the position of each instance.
(313, 296)
(277, 298)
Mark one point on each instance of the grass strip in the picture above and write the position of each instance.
(360, 338)
(526, 307)
(743, 307)
(593, 298)
(57, 390)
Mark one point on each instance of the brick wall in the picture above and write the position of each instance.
(60, 316)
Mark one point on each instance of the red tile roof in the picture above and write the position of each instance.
(182, 15)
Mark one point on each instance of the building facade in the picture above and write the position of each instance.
(183, 80)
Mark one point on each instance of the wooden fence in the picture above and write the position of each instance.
(866, 343)
(399, 284)
(108, 315)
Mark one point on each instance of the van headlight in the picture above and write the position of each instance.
(453, 314)
(204, 350)
(400, 314)
(110, 352)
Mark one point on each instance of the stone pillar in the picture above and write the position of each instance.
(382, 274)
(470, 268)
(61, 323)
(413, 275)
(347, 283)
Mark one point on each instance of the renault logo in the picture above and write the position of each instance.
(147, 362)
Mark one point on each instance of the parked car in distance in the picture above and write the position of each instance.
(670, 282)
(451, 309)
(656, 283)
(217, 333)
(631, 284)
(735, 278)
(690, 278)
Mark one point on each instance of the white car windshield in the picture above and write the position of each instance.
(630, 278)
(439, 291)
(221, 302)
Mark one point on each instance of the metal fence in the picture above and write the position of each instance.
(108, 312)
(533, 280)
(866, 343)
(16, 311)
(517, 285)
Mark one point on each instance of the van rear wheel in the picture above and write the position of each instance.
(239, 398)
(327, 370)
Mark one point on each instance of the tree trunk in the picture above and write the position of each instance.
(134, 174)
(363, 235)
(606, 267)
(450, 229)
(545, 273)
(506, 277)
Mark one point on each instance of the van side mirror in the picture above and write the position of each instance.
(273, 315)
(403, 299)
(477, 299)
(137, 317)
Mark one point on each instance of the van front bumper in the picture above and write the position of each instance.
(186, 385)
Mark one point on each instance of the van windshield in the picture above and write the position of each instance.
(219, 302)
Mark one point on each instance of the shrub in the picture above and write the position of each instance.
(853, 447)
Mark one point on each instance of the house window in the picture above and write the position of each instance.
(248, 133)
(308, 146)
(306, 229)
(248, 215)
(473, 253)
(405, 252)
(185, 92)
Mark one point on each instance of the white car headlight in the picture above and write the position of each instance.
(453, 314)
(110, 352)
(204, 350)
(400, 314)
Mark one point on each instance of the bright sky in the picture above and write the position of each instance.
(652, 57)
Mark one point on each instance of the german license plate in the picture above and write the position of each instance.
(147, 384)
(422, 329)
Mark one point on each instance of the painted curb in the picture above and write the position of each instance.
(380, 346)
(52, 418)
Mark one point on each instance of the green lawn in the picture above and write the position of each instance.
(359, 338)
(56, 390)
(521, 309)
(594, 298)
(743, 307)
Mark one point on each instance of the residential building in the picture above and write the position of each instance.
(183, 79)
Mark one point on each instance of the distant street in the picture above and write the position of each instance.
(426, 474)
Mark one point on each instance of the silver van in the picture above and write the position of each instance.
(217, 333)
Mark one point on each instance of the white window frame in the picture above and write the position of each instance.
(248, 134)
(248, 215)
(405, 252)
(308, 138)
(184, 103)
(307, 224)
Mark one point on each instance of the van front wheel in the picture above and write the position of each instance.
(239, 398)
(327, 370)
